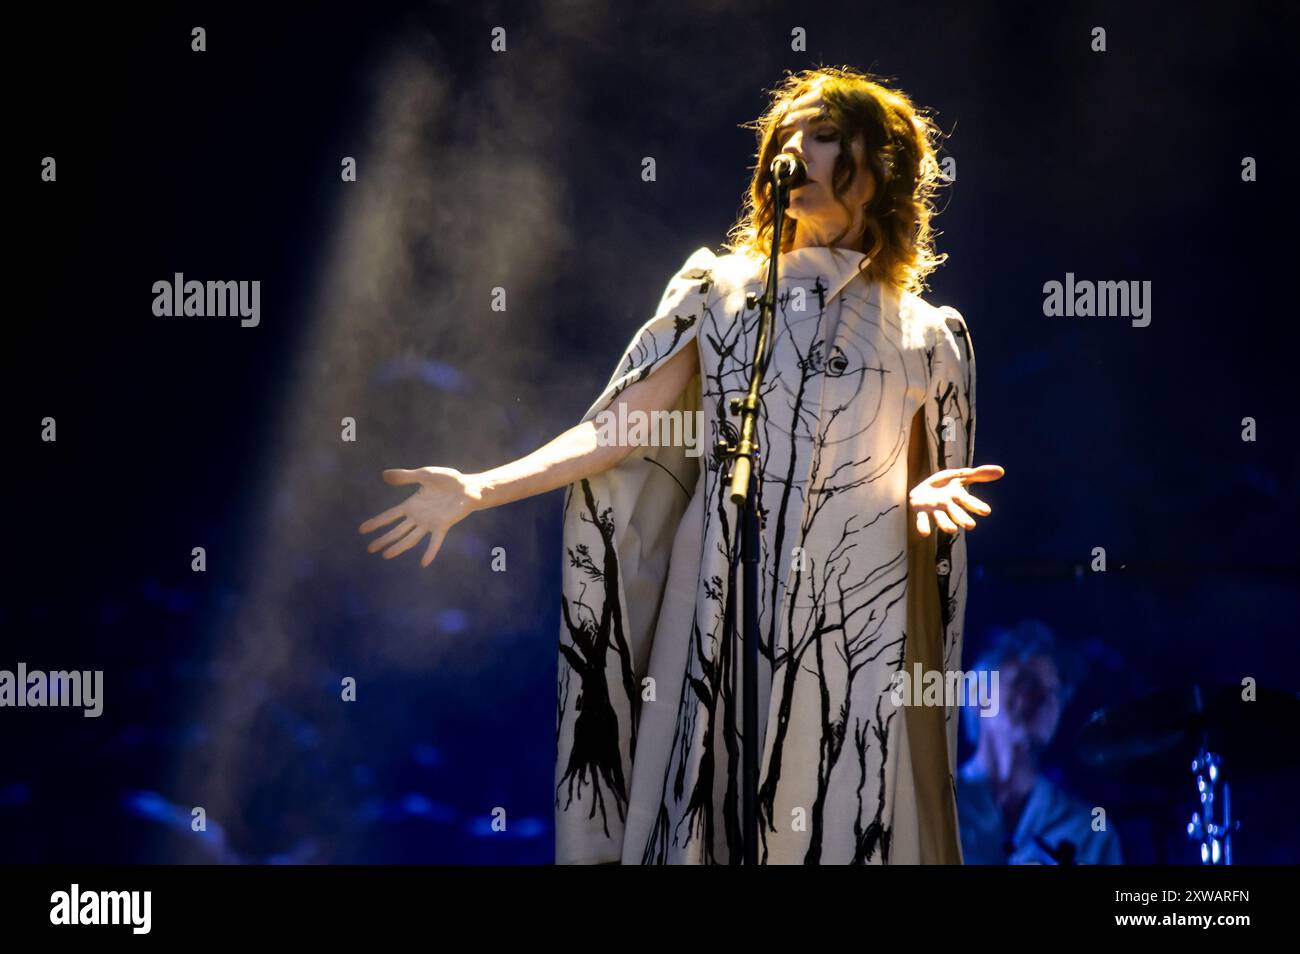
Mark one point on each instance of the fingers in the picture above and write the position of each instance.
(398, 476)
(392, 536)
(375, 522)
(972, 503)
(404, 544)
(435, 544)
(941, 477)
(394, 475)
(948, 517)
(945, 522)
(983, 473)
(959, 516)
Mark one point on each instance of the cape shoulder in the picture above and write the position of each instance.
(729, 269)
(940, 327)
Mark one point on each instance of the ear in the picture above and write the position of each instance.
(888, 165)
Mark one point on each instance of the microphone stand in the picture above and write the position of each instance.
(745, 460)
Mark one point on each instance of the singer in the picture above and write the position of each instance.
(866, 433)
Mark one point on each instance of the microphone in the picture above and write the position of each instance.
(789, 171)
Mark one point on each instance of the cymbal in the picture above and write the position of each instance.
(1158, 735)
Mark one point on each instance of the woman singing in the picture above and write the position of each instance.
(866, 433)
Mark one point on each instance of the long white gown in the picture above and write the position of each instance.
(648, 708)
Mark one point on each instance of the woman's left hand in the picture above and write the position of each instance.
(943, 495)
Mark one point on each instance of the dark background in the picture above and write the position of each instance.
(522, 170)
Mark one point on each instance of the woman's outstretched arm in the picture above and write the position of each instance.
(445, 496)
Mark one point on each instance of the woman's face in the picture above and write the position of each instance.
(807, 132)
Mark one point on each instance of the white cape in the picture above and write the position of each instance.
(868, 392)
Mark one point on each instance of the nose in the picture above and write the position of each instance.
(794, 145)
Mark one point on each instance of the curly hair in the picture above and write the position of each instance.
(901, 146)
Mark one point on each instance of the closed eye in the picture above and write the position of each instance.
(825, 134)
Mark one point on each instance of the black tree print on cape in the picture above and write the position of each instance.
(596, 756)
(876, 592)
(951, 404)
(833, 602)
(711, 683)
(594, 765)
(643, 361)
(836, 600)
(874, 835)
(847, 374)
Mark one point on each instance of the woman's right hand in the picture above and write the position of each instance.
(443, 498)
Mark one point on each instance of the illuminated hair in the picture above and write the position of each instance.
(901, 144)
